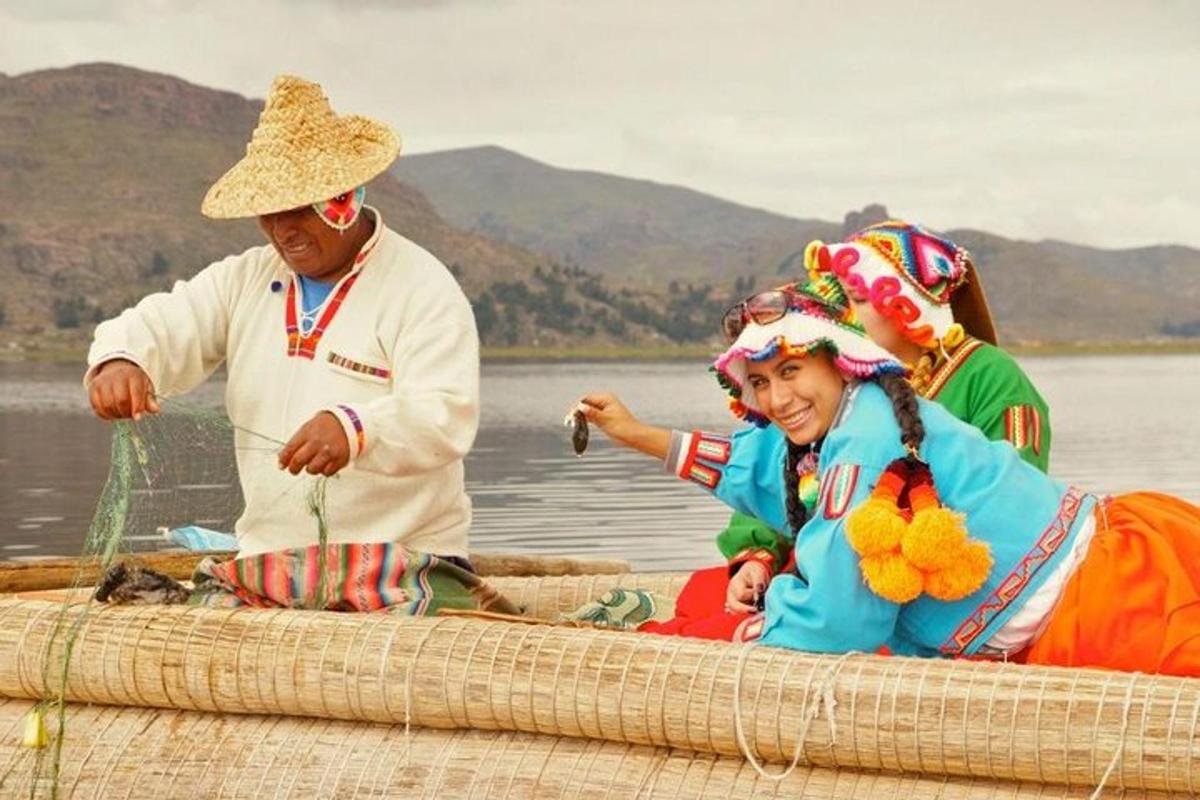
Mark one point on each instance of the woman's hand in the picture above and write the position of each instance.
(121, 389)
(746, 586)
(320, 447)
(608, 413)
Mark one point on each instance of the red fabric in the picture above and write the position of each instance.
(700, 609)
(1134, 602)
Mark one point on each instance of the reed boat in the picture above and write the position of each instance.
(177, 701)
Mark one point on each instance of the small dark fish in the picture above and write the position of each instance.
(113, 577)
(579, 431)
(124, 583)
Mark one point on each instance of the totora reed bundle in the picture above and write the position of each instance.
(149, 754)
(1076, 728)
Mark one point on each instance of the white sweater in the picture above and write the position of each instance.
(398, 362)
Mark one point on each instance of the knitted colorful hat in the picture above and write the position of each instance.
(301, 153)
(913, 276)
(818, 316)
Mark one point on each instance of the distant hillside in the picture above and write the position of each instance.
(633, 229)
(1057, 292)
(1040, 291)
(102, 169)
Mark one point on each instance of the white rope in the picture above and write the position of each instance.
(823, 695)
(1116, 758)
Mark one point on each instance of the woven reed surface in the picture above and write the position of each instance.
(529, 564)
(58, 573)
(1001, 722)
(547, 597)
(542, 597)
(150, 753)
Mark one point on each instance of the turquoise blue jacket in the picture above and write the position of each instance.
(1027, 518)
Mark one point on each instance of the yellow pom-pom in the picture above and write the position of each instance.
(875, 528)
(934, 538)
(954, 337)
(892, 577)
(810, 257)
(972, 564)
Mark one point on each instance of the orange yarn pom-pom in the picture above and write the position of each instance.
(924, 548)
(934, 538)
(973, 564)
(892, 577)
(875, 528)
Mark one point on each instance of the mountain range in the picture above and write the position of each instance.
(102, 169)
(650, 233)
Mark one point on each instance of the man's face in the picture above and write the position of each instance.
(309, 246)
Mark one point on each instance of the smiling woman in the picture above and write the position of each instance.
(799, 393)
(910, 529)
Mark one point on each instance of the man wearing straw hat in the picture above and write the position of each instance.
(343, 340)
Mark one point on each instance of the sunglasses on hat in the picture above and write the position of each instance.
(762, 309)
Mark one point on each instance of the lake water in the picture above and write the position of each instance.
(1120, 424)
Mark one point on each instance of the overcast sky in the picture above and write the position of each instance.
(1076, 120)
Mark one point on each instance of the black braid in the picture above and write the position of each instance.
(912, 432)
(904, 406)
(797, 514)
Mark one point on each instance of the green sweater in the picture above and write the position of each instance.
(980, 384)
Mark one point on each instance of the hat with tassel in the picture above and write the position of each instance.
(923, 282)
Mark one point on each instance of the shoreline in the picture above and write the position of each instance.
(688, 352)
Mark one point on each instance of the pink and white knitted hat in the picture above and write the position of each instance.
(909, 274)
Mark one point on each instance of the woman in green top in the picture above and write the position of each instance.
(919, 296)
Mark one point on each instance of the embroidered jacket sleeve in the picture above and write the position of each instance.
(177, 337)
(432, 414)
(744, 471)
(825, 607)
(1010, 409)
(1026, 426)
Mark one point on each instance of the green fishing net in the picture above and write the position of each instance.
(166, 470)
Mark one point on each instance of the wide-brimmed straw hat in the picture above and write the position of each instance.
(817, 318)
(301, 153)
(922, 281)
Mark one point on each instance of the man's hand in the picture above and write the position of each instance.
(120, 390)
(746, 586)
(320, 447)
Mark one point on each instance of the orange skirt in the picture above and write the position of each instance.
(1134, 602)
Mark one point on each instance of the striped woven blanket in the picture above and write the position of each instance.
(346, 577)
